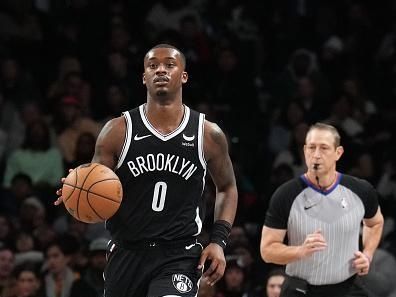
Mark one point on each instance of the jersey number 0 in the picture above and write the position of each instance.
(159, 196)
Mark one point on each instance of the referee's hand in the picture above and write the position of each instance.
(361, 263)
(314, 242)
(214, 254)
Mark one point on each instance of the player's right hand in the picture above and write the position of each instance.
(59, 200)
(214, 254)
(314, 242)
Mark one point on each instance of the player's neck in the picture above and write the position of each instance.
(164, 117)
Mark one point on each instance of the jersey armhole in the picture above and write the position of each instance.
(201, 152)
(127, 139)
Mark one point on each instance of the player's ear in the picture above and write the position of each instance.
(184, 77)
(339, 152)
(144, 78)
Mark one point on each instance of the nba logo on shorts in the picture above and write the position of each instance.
(182, 283)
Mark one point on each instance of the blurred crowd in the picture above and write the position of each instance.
(263, 70)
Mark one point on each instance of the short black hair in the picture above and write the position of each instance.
(326, 127)
(166, 45)
(27, 266)
(22, 177)
(68, 244)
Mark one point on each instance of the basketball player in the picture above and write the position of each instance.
(321, 212)
(161, 151)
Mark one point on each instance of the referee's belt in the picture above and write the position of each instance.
(330, 286)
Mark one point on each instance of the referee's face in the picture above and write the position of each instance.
(320, 151)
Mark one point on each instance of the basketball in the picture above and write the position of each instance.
(92, 193)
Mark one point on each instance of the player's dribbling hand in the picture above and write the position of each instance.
(215, 254)
(59, 191)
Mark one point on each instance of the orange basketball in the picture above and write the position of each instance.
(92, 193)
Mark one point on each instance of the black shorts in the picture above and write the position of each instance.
(153, 270)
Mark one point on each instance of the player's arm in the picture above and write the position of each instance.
(110, 142)
(108, 147)
(222, 173)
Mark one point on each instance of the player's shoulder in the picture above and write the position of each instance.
(114, 127)
(115, 123)
(212, 128)
(214, 135)
(215, 141)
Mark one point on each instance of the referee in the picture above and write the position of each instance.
(321, 212)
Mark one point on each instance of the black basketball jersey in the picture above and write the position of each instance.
(163, 177)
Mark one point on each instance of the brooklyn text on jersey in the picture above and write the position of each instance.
(161, 162)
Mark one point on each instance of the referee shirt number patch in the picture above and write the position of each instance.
(182, 283)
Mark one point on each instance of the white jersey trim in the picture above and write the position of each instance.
(127, 140)
(198, 221)
(201, 130)
(201, 152)
(170, 135)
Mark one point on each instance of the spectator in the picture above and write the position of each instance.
(7, 234)
(37, 158)
(16, 84)
(59, 279)
(116, 102)
(11, 199)
(73, 124)
(28, 281)
(274, 283)
(26, 249)
(32, 214)
(234, 280)
(67, 64)
(294, 156)
(97, 262)
(85, 149)
(7, 262)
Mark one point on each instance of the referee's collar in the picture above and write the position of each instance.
(315, 188)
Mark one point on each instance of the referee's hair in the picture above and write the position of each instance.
(327, 127)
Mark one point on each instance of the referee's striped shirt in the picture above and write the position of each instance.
(300, 208)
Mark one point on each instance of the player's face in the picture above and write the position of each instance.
(163, 72)
(320, 149)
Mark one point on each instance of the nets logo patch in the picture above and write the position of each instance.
(182, 283)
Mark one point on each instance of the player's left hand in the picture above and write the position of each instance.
(361, 263)
(215, 255)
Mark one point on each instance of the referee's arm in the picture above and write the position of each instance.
(372, 232)
(273, 250)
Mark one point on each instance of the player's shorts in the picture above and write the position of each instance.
(153, 269)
